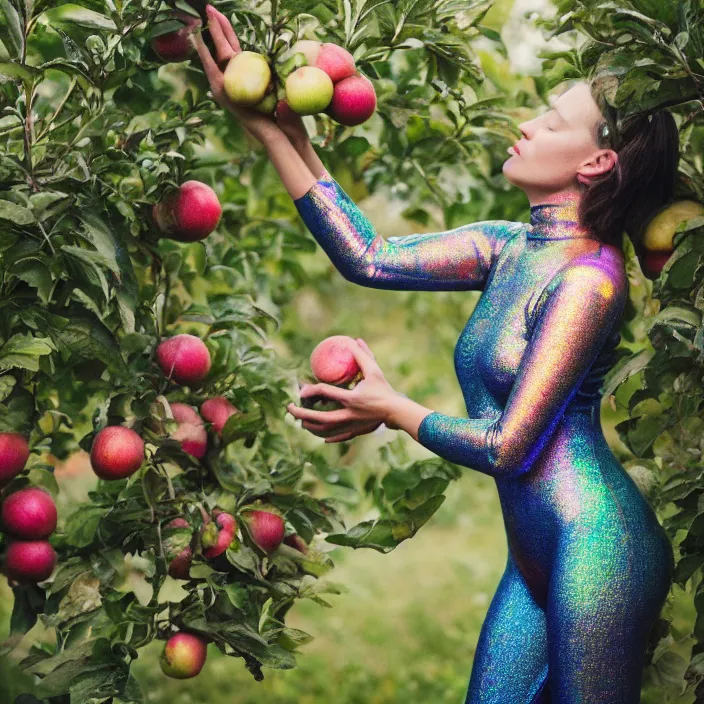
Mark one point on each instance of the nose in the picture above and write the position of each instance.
(525, 128)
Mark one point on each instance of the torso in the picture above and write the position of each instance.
(576, 481)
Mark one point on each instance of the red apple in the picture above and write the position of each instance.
(184, 358)
(117, 452)
(29, 514)
(191, 432)
(266, 528)
(173, 46)
(332, 361)
(29, 561)
(189, 214)
(14, 453)
(227, 528)
(217, 410)
(184, 656)
(337, 62)
(653, 262)
(295, 541)
(180, 565)
(353, 101)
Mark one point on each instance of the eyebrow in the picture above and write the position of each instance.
(553, 100)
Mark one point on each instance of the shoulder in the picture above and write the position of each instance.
(598, 276)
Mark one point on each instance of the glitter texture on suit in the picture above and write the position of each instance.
(589, 566)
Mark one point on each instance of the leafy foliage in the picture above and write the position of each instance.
(93, 132)
(646, 56)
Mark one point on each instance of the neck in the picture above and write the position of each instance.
(556, 217)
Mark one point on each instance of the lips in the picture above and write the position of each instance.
(516, 149)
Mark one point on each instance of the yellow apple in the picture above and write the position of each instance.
(661, 229)
(247, 78)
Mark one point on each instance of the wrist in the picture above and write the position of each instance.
(394, 411)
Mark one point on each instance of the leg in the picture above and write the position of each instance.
(511, 661)
(605, 594)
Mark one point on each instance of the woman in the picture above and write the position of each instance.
(589, 566)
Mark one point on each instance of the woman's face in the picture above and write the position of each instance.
(557, 146)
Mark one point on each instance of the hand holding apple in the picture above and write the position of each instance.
(227, 46)
(364, 408)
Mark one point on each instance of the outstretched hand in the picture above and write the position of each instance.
(365, 407)
(227, 45)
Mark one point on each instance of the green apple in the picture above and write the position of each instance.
(247, 78)
(308, 90)
(268, 105)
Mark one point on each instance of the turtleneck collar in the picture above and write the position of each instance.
(556, 221)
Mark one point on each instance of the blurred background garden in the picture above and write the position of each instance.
(405, 627)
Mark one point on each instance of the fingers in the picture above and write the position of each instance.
(226, 27)
(212, 72)
(365, 360)
(348, 435)
(223, 48)
(334, 393)
(322, 417)
(365, 347)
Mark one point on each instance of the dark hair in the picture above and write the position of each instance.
(643, 181)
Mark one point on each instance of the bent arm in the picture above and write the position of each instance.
(458, 259)
(573, 325)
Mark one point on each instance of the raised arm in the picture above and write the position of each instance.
(578, 315)
(458, 259)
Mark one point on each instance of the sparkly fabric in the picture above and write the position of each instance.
(589, 566)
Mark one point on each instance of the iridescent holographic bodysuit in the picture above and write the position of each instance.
(589, 566)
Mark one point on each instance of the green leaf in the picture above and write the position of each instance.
(29, 602)
(7, 383)
(35, 273)
(82, 525)
(23, 351)
(14, 25)
(15, 213)
(242, 425)
(44, 479)
(75, 14)
(90, 339)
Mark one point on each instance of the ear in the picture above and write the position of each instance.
(599, 163)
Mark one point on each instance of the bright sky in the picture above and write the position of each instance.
(523, 39)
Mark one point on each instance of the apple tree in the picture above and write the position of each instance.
(212, 523)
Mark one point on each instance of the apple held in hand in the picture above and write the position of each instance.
(188, 214)
(309, 90)
(353, 101)
(332, 361)
(266, 528)
(14, 453)
(29, 561)
(184, 656)
(191, 432)
(184, 358)
(247, 78)
(29, 514)
(117, 452)
(336, 61)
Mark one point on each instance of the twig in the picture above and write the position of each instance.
(74, 81)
